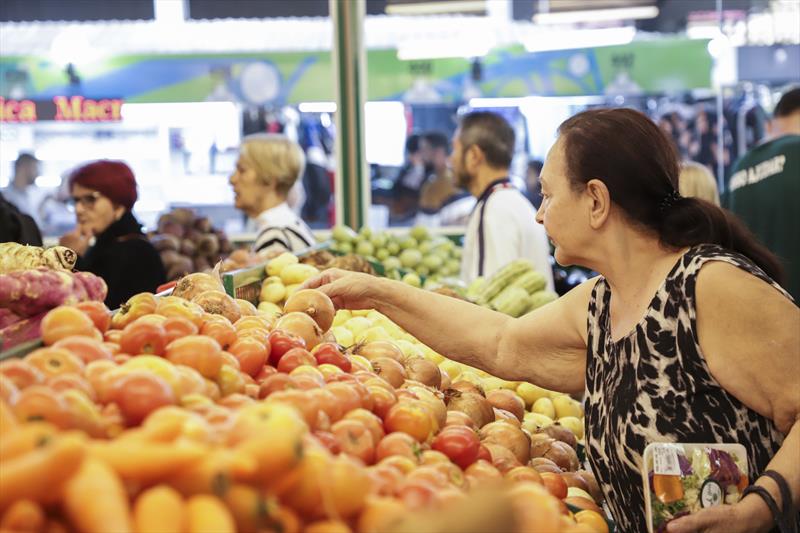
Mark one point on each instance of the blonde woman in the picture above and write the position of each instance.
(268, 167)
(696, 181)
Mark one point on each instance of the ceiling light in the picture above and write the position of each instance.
(434, 8)
(596, 15)
(442, 48)
(541, 39)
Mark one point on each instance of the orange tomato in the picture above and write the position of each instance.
(53, 361)
(86, 348)
(191, 381)
(354, 439)
(143, 337)
(98, 313)
(199, 352)
(381, 514)
(65, 321)
(555, 484)
(8, 390)
(113, 336)
(177, 327)
(411, 417)
(39, 402)
(21, 373)
(220, 329)
(346, 395)
(230, 360)
(175, 306)
(593, 519)
(137, 306)
(305, 404)
(370, 421)
(62, 382)
(398, 443)
(95, 374)
(251, 353)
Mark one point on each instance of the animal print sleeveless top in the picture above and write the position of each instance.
(654, 386)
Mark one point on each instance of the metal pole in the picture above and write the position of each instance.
(352, 183)
(720, 117)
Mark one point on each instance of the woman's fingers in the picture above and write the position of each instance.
(324, 278)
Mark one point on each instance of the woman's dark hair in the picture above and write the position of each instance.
(491, 133)
(638, 163)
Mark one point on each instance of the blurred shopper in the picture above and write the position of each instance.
(685, 336)
(16, 226)
(409, 180)
(22, 191)
(532, 184)
(765, 185)
(442, 201)
(268, 167)
(502, 226)
(696, 181)
(104, 193)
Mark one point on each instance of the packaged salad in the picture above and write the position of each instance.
(681, 479)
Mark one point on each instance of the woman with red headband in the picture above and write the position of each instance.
(103, 193)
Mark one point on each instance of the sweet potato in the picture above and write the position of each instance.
(7, 317)
(96, 288)
(29, 292)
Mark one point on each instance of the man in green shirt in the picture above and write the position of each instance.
(764, 188)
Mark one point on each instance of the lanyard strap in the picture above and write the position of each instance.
(502, 183)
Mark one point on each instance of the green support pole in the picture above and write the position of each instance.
(350, 71)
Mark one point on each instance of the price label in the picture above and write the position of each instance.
(665, 461)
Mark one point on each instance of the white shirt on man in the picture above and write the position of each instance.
(507, 222)
(281, 227)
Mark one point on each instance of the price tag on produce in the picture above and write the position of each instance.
(665, 461)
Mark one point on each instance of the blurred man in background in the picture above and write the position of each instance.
(22, 191)
(765, 185)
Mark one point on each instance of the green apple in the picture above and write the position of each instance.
(412, 279)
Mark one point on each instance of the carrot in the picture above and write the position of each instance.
(8, 422)
(26, 438)
(159, 510)
(36, 474)
(214, 473)
(23, 515)
(95, 500)
(207, 514)
(145, 461)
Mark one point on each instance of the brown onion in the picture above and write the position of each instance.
(545, 465)
(424, 371)
(559, 432)
(563, 455)
(502, 458)
(390, 370)
(191, 285)
(457, 418)
(540, 443)
(474, 405)
(593, 487)
(374, 349)
(301, 325)
(508, 401)
(218, 303)
(467, 386)
(574, 479)
(508, 436)
(501, 415)
(445, 381)
(315, 304)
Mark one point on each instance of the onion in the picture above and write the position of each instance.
(508, 436)
(508, 401)
(374, 349)
(433, 400)
(501, 415)
(474, 405)
(445, 381)
(246, 308)
(218, 303)
(545, 465)
(315, 304)
(502, 458)
(457, 418)
(574, 479)
(191, 285)
(563, 455)
(560, 433)
(301, 325)
(467, 386)
(540, 443)
(424, 371)
(390, 370)
(593, 487)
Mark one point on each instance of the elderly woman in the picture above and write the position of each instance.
(684, 337)
(104, 193)
(267, 169)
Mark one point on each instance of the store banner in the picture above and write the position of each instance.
(61, 109)
(279, 78)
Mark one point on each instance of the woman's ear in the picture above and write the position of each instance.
(118, 212)
(600, 199)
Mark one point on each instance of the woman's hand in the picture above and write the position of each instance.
(750, 515)
(77, 239)
(347, 290)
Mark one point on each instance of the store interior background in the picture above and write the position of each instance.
(194, 76)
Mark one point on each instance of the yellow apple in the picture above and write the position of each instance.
(544, 406)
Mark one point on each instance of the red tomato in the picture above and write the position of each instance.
(355, 439)
(412, 417)
(98, 312)
(305, 404)
(251, 353)
(21, 373)
(382, 400)
(265, 372)
(39, 402)
(86, 348)
(295, 357)
(178, 327)
(275, 383)
(385, 479)
(220, 329)
(201, 353)
(417, 494)
(140, 393)
(143, 337)
(329, 353)
(346, 395)
(398, 443)
(281, 342)
(459, 443)
(483, 453)
(53, 361)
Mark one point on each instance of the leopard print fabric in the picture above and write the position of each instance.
(654, 386)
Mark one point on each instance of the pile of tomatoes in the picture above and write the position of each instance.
(167, 418)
